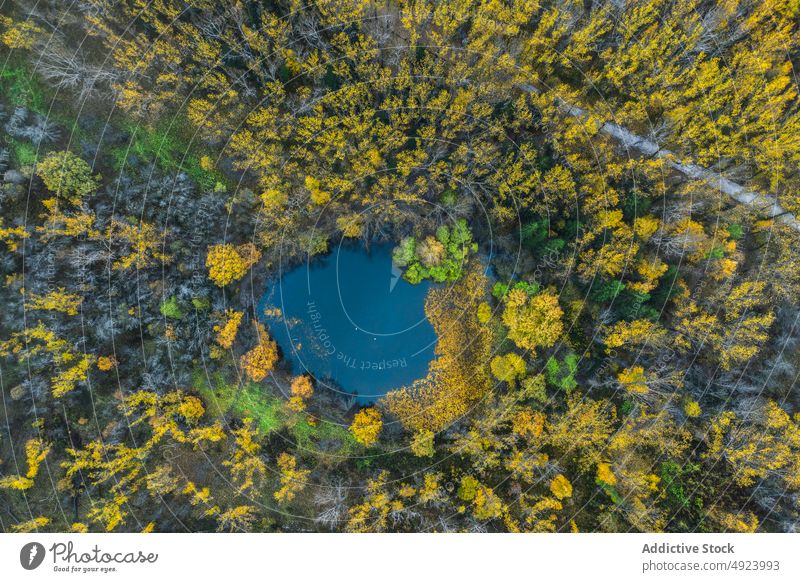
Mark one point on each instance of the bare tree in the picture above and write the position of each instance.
(63, 68)
(331, 500)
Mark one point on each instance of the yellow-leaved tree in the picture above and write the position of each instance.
(366, 426)
(227, 263)
(532, 322)
(35, 452)
(259, 361)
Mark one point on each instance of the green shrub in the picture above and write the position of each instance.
(22, 89)
(561, 375)
(171, 309)
(735, 231)
(24, 153)
(67, 175)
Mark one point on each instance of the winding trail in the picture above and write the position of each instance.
(762, 203)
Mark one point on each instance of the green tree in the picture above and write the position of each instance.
(67, 176)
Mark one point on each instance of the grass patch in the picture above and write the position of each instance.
(22, 86)
(22, 89)
(169, 144)
(217, 395)
(253, 401)
(309, 437)
(24, 153)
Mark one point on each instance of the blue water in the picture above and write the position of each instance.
(350, 317)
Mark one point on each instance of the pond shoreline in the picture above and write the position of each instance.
(348, 317)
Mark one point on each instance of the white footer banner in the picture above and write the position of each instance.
(407, 557)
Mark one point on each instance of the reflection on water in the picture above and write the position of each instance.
(349, 317)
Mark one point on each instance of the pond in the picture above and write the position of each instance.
(350, 318)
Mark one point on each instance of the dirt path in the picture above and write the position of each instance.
(764, 204)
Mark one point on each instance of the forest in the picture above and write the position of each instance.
(603, 195)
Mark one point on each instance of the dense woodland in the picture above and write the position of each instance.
(625, 362)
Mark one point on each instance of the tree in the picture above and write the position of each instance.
(733, 521)
(18, 34)
(298, 125)
(486, 505)
(228, 328)
(36, 450)
(106, 363)
(484, 313)
(227, 263)
(508, 368)
(302, 387)
(31, 525)
(71, 367)
(171, 309)
(633, 380)
(140, 245)
(318, 196)
(301, 390)
(58, 300)
(532, 322)
(581, 432)
(246, 466)
(239, 518)
(605, 474)
(293, 480)
(737, 336)
(422, 443)
(259, 361)
(561, 487)
(9, 234)
(67, 176)
(441, 258)
(430, 252)
(458, 377)
(635, 334)
(372, 515)
(539, 513)
(168, 419)
(768, 447)
(366, 426)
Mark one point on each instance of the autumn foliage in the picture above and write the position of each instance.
(602, 200)
(258, 362)
(366, 426)
(227, 263)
